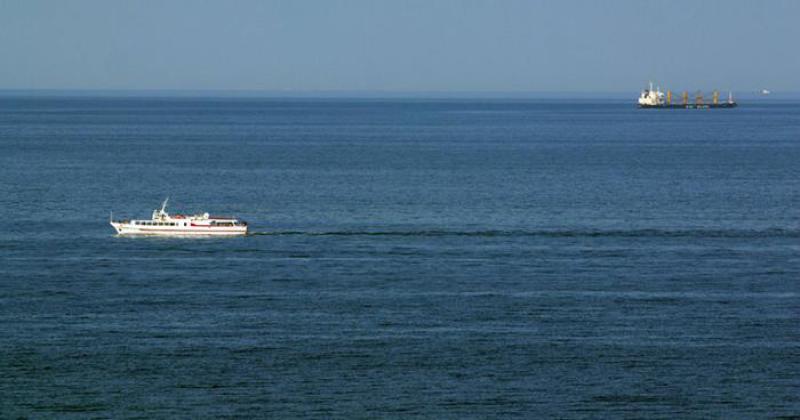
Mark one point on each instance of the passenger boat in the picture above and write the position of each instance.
(165, 224)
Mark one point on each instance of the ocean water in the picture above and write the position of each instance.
(409, 258)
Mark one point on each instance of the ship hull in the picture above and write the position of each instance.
(691, 106)
(135, 230)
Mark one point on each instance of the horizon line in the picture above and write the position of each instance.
(352, 93)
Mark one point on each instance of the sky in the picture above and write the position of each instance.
(399, 45)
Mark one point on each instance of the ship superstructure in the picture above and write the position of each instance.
(162, 223)
(655, 98)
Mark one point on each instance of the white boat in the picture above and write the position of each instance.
(165, 224)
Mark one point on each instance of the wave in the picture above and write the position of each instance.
(556, 233)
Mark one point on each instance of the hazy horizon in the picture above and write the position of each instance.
(374, 48)
(627, 96)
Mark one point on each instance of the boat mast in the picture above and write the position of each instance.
(161, 214)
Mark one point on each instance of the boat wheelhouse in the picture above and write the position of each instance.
(164, 224)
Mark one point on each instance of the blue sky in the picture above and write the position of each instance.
(399, 45)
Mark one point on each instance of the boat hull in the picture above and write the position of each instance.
(691, 106)
(128, 229)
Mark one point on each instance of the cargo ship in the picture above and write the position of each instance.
(655, 98)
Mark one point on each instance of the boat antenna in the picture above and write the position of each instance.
(164, 206)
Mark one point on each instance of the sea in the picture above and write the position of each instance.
(407, 258)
